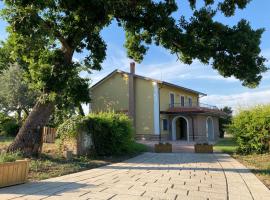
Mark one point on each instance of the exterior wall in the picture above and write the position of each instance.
(200, 131)
(112, 95)
(200, 128)
(197, 126)
(144, 106)
(165, 96)
(216, 128)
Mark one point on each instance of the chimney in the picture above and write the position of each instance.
(131, 92)
(132, 67)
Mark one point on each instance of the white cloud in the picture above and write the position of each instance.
(240, 100)
(170, 71)
(173, 71)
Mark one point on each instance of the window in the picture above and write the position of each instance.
(190, 102)
(171, 100)
(182, 101)
(165, 124)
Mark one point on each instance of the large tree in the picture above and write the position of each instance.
(44, 35)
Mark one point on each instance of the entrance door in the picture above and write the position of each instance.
(181, 129)
(210, 128)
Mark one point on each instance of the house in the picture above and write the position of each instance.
(157, 108)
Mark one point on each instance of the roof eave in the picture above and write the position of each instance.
(146, 78)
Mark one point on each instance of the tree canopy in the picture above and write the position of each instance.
(45, 34)
(15, 95)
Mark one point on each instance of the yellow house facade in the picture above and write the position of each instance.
(158, 109)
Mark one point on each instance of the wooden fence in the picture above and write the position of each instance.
(49, 134)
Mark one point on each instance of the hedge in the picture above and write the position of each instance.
(251, 129)
(111, 133)
(8, 125)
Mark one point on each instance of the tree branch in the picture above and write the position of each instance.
(47, 25)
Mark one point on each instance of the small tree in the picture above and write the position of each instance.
(225, 120)
(44, 35)
(15, 95)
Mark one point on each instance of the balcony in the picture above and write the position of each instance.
(192, 108)
(193, 105)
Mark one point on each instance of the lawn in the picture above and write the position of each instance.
(226, 145)
(259, 164)
(52, 164)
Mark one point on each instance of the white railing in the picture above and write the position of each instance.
(193, 105)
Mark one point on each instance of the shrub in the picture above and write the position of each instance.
(70, 129)
(9, 157)
(251, 129)
(111, 133)
(8, 125)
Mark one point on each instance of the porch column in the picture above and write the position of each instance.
(156, 108)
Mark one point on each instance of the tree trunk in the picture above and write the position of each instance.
(29, 138)
(19, 117)
(81, 112)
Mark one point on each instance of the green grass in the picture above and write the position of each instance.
(259, 164)
(226, 145)
(53, 166)
(136, 148)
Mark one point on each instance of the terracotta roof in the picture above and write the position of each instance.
(147, 78)
(177, 110)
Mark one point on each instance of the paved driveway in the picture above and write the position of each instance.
(152, 176)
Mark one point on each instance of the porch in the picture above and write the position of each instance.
(190, 123)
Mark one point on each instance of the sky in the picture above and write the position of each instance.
(160, 64)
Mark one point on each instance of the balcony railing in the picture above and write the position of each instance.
(193, 105)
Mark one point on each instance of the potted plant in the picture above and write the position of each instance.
(13, 169)
(163, 147)
(203, 147)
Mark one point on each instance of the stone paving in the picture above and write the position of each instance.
(175, 176)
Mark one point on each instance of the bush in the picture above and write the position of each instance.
(70, 129)
(8, 125)
(111, 133)
(251, 129)
(9, 157)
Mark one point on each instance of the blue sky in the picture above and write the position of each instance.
(160, 64)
